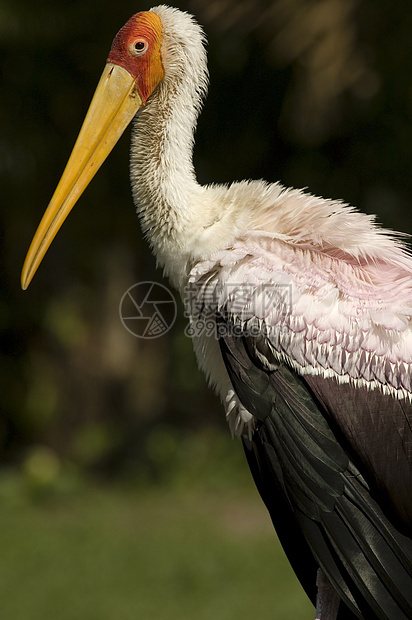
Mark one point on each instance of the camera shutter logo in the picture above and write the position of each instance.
(148, 310)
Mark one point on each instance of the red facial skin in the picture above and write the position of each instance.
(146, 67)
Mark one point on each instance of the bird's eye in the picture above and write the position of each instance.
(139, 47)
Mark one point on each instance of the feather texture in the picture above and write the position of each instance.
(323, 315)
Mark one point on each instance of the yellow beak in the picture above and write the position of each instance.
(113, 106)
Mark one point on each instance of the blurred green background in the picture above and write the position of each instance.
(121, 492)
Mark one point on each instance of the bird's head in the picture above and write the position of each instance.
(137, 48)
(150, 45)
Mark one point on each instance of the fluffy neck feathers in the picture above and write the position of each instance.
(162, 175)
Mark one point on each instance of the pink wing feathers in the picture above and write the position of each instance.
(323, 314)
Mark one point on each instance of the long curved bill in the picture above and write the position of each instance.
(113, 106)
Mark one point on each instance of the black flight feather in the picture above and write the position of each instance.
(332, 507)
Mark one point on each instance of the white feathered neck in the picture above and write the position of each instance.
(164, 186)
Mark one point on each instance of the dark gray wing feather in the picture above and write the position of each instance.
(317, 488)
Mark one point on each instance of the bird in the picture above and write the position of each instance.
(311, 304)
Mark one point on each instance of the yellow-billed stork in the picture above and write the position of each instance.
(312, 352)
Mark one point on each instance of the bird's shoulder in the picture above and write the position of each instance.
(326, 308)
